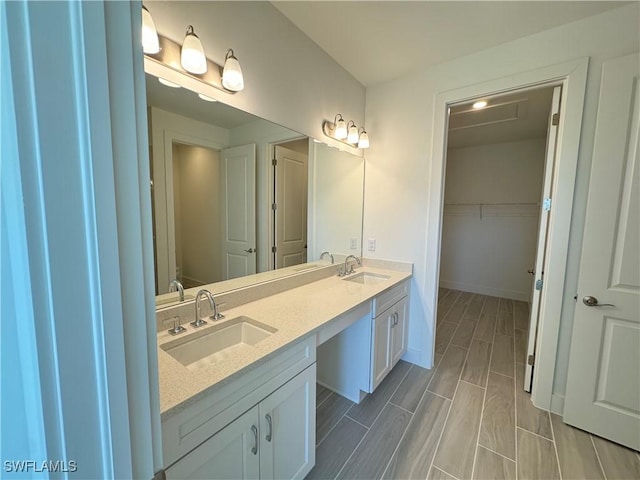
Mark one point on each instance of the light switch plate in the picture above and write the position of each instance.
(353, 243)
(372, 244)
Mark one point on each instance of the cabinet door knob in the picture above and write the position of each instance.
(254, 449)
(268, 436)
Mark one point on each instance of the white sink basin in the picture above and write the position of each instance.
(218, 342)
(367, 278)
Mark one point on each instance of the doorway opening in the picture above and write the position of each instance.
(500, 154)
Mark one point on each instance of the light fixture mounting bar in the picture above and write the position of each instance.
(169, 56)
(329, 128)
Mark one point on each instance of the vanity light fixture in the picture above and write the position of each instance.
(206, 99)
(352, 136)
(192, 57)
(232, 78)
(363, 141)
(167, 83)
(150, 42)
(480, 104)
(346, 133)
(340, 128)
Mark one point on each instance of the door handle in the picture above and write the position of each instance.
(250, 250)
(532, 272)
(268, 436)
(590, 301)
(254, 449)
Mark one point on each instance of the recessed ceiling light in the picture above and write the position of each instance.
(480, 104)
(168, 83)
(207, 99)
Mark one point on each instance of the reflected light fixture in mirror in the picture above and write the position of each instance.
(232, 78)
(192, 57)
(150, 42)
(346, 133)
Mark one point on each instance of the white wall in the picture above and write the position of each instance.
(289, 80)
(489, 249)
(197, 211)
(400, 112)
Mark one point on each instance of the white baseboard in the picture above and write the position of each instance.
(483, 290)
(557, 404)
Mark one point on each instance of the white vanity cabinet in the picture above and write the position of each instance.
(273, 440)
(388, 340)
(260, 426)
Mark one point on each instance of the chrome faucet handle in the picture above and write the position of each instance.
(177, 328)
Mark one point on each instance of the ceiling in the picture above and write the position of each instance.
(379, 41)
(506, 118)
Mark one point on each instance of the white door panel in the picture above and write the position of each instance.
(603, 386)
(291, 211)
(543, 229)
(238, 200)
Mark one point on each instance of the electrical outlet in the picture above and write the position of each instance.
(353, 243)
(372, 244)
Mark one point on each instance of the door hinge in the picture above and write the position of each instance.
(274, 206)
(555, 119)
(274, 249)
(531, 360)
(539, 284)
(546, 204)
(274, 162)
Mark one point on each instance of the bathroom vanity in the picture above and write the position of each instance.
(237, 396)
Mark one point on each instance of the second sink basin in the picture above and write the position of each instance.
(216, 343)
(367, 278)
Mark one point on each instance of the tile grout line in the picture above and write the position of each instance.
(484, 397)
(555, 447)
(443, 470)
(499, 454)
(336, 424)
(536, 434)
(604, 474)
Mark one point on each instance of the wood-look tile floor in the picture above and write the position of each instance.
(469, 417)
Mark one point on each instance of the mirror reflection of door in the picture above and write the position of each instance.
(290, 206)
(214, 213)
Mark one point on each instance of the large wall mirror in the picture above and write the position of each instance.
(235, 196)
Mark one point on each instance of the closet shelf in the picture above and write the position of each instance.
(492, 209)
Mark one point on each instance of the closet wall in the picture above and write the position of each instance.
(490, 221)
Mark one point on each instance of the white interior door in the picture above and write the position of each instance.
(603, 385)
(543, 228)
(291, 173)
(238, 201)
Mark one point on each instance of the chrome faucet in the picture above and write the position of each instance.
(346, 270)
(176, 286)
(215, 315)
(330, 256)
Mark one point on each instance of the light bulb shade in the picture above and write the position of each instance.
(150, 42)
(341, 129)
(364, 140)
(192, 57)
(232, 78)
(352, 137)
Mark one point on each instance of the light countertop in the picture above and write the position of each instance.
(295, 313)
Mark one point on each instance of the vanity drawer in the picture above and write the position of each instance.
(191, 426)
(387, 298)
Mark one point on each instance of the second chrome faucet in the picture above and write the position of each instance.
(215, 315)
(347, 269)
